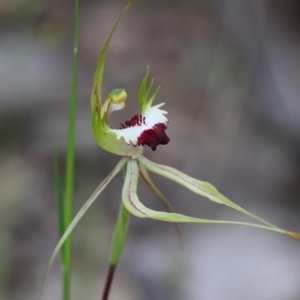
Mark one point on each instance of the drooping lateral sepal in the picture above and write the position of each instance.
(199, 187)
(135, 207)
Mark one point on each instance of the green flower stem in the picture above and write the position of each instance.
(117, 247)
(119, 235)
(109, 280)
(69, 187)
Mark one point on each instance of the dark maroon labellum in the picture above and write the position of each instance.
(154, 136)
(151, 137)
(135, 120)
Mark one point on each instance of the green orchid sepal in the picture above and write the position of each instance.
(146, 128)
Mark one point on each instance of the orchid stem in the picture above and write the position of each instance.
(118, 242)
(109, 280)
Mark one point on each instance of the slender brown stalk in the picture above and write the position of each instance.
(109, 279)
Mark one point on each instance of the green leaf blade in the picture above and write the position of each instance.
(79, 215)
(59, 192)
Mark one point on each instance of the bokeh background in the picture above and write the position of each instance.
(230, 73)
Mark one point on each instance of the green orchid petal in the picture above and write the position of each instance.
(80, 214)
(148, 181)
(135, 207)
(144, 92)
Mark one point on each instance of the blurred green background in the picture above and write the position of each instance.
(229, 72)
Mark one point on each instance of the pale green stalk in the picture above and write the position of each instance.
(118, 242)
(119, 235)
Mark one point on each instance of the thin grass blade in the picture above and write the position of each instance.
(59, 193)
(79, 215)
(70, 163)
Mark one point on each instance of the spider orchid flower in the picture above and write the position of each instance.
(144, 129)
(147, 128)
